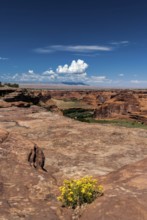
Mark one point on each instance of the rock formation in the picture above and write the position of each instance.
(117, 157)
(109, 104)
(124, 104)
(36, 158)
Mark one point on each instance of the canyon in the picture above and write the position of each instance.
(115, 155)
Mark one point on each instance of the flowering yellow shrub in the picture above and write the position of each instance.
(78, 192)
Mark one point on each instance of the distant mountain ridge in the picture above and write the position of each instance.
(75, 83)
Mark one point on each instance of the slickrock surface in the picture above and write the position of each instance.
(114, 155)
(125, 195)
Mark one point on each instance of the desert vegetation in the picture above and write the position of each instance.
(78, 192)
(13, 85)
(86, 115)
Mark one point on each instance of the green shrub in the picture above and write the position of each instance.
(13, 85)
(77, 192)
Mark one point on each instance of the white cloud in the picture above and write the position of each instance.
(125, 42)
(138, 81)
(98, 79)
(43, 50)
(121, 74)
(81, 48)
(73, 48)
(3, 58)
(119, 43)
(58, 78)
(76, 67)
(48, 72)
(52, 77)
(75, 72)
(87, 54)
(15, 76)
(31, 76)
(30, 72)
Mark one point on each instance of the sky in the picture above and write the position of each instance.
(94, 42)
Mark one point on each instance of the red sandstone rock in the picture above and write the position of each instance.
(72, 149)
(125, 195)
(107, 103)
(121, 105)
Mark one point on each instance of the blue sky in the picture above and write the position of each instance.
(100, 43)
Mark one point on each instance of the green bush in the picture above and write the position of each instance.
(14, 85)
(77, 192)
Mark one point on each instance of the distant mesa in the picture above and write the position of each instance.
(75, 83)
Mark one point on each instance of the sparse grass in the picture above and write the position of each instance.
(84, 115)
(70, 104)
(124, 123)
(78, 114)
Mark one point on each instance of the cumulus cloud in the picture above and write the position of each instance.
(31, 76)
(76, 67)
(73, 48)
(75, 72)
(58, 78)
(48, 72)
(30, 72)
(52, 76)
(49, 75)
